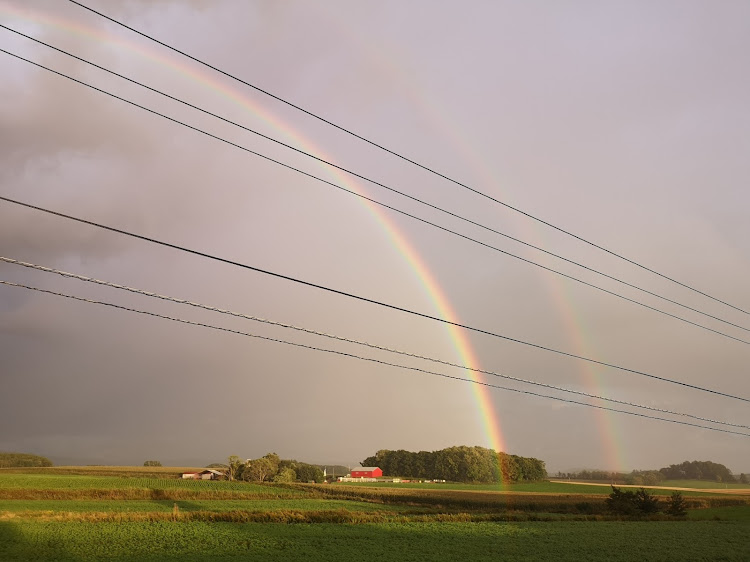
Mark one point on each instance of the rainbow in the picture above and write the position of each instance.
(467, 356)
(610, 431)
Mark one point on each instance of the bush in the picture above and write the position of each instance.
(632, 503)
(676, 506)
(646, 503)
(152, 463)
(621, 502)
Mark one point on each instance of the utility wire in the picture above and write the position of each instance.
(406, 159)
(455, 233)
(363, 299)
(389, 188)
(361, 358)
(350, 340)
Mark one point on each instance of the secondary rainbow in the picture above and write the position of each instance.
(610, 432)
(467, 356)
(611, 438)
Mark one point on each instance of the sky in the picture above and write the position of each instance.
(625, 123)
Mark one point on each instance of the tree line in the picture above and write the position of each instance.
(701, 470)
(688, 470)
(11, 460)
(459, 464)
(636, 477)
(271, 468)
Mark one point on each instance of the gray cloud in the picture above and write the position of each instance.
(625, 124)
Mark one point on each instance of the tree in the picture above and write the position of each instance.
(259, 470)
(743, 478)
(152, 463)
(676, 506)
(285, 475)
(235, 467)
(646, 502)
(275, 461)
(621, 502)
(309, 473)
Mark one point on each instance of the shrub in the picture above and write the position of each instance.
(632, 503)
(646, 503)
(676, 506)
(621, 502)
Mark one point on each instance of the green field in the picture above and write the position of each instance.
(533, 487)
(402, 542)
(123, 514)
(167, 506)
(78, 482)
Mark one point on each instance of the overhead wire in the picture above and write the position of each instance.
(406, 195)
(362, 358)
(261, 320)
(406, 159)
(360, 298)
(435, 225)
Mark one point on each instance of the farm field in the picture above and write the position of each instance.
(75, 516)
(568, 541)
(529, 488)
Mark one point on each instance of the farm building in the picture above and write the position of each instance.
(367, 472)
(207, 474)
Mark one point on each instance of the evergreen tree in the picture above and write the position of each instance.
(676, 506)
(646, 502)
(621, 502)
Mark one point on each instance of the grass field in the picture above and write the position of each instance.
(91, 513)
(96, 470)
(574, 541)
(531, 487)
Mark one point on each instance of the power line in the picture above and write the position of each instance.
(209, 308)
(455, 233)
(406, 159)
(416, 199)
(361, 298)
(361, 358)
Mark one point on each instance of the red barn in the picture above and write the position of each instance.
(367, 472)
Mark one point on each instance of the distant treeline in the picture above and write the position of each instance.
(688, 470)
(11, 460)
(636, 477)
(701, 470)
(459, 464)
